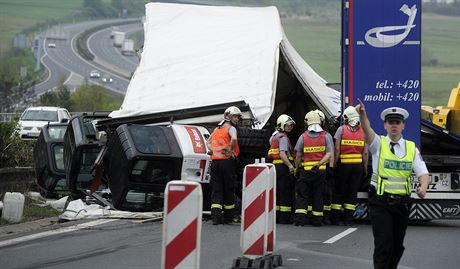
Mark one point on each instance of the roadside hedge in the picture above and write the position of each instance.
(14, 152)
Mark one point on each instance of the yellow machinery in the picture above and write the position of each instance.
(447, 117)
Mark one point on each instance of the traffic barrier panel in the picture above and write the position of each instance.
(271, 219)
(254, 217)
(182, 225)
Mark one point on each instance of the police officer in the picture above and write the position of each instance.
(223, 145)
(351, 158)
(282, 155)
(393, 160)
(314, 148)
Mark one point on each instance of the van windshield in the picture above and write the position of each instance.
(40, 115)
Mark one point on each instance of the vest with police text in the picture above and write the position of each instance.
(393, 175)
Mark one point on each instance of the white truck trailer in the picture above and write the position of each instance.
(127, 48)
(118, 38)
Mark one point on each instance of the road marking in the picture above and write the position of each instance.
(340, 235)
(54, 232)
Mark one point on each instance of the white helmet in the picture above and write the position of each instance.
(230, 111)
(312, 117)
(321, 115)
(282, 120)
(350, 114)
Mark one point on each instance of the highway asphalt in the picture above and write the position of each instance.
(124, 244)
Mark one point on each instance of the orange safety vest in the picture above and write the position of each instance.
(351, 145)
(314, 149)
(220, 139)
(274, 151)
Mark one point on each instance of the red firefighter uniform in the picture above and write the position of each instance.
(349, 173)
(285, 181)
(311, 176)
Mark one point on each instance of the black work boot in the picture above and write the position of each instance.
(327, 218)
(216, 216)
(284, 218)
(336, 216)
(317, 221)
(229, 216)
(300, 220)
(348, 217)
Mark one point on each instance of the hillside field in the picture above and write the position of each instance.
(319, 45)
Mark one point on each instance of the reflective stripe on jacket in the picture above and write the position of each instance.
(351, 145)
(220, 139)
(394, 172)
(314, 149)
(274, 151)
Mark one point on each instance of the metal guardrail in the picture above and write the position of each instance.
(9, 116)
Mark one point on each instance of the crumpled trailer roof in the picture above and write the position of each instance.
(197, 56)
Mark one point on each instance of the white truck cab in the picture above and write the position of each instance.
(192, 142)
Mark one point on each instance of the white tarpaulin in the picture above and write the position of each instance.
(202, 55)
(196, 56)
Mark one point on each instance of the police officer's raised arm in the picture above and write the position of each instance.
(369, 133)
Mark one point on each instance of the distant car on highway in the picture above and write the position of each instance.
(34, 118)
(94, 74)
(107, 79)
(51, 45)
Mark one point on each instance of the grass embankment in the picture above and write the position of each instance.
(441, 41)
(17, 15)
(319, 45)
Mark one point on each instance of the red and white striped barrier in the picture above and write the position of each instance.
(258, 215)
(182, 225)
(271, 221)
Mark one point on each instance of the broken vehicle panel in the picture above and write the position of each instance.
(140, 160)
(49, 160)
(81, 149)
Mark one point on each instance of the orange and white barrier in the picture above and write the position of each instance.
(182, 225)
(258, 215)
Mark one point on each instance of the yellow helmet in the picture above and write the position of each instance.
(312, 117)
(231, 111)
(282, 120)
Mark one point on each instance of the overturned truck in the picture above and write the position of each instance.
(184, 83)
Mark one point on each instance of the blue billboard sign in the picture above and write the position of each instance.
(381, 61)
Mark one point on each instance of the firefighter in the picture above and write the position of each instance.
(351, 158)
(393, 160)
(223, 145)
(282, 155)
(314, 148)
(329, 183)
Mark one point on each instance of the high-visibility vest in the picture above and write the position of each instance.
(314, 149)
(351, 145)
(393, 175)
(220, 139)
(274, 151)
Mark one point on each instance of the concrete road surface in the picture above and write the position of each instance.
(123, 244)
